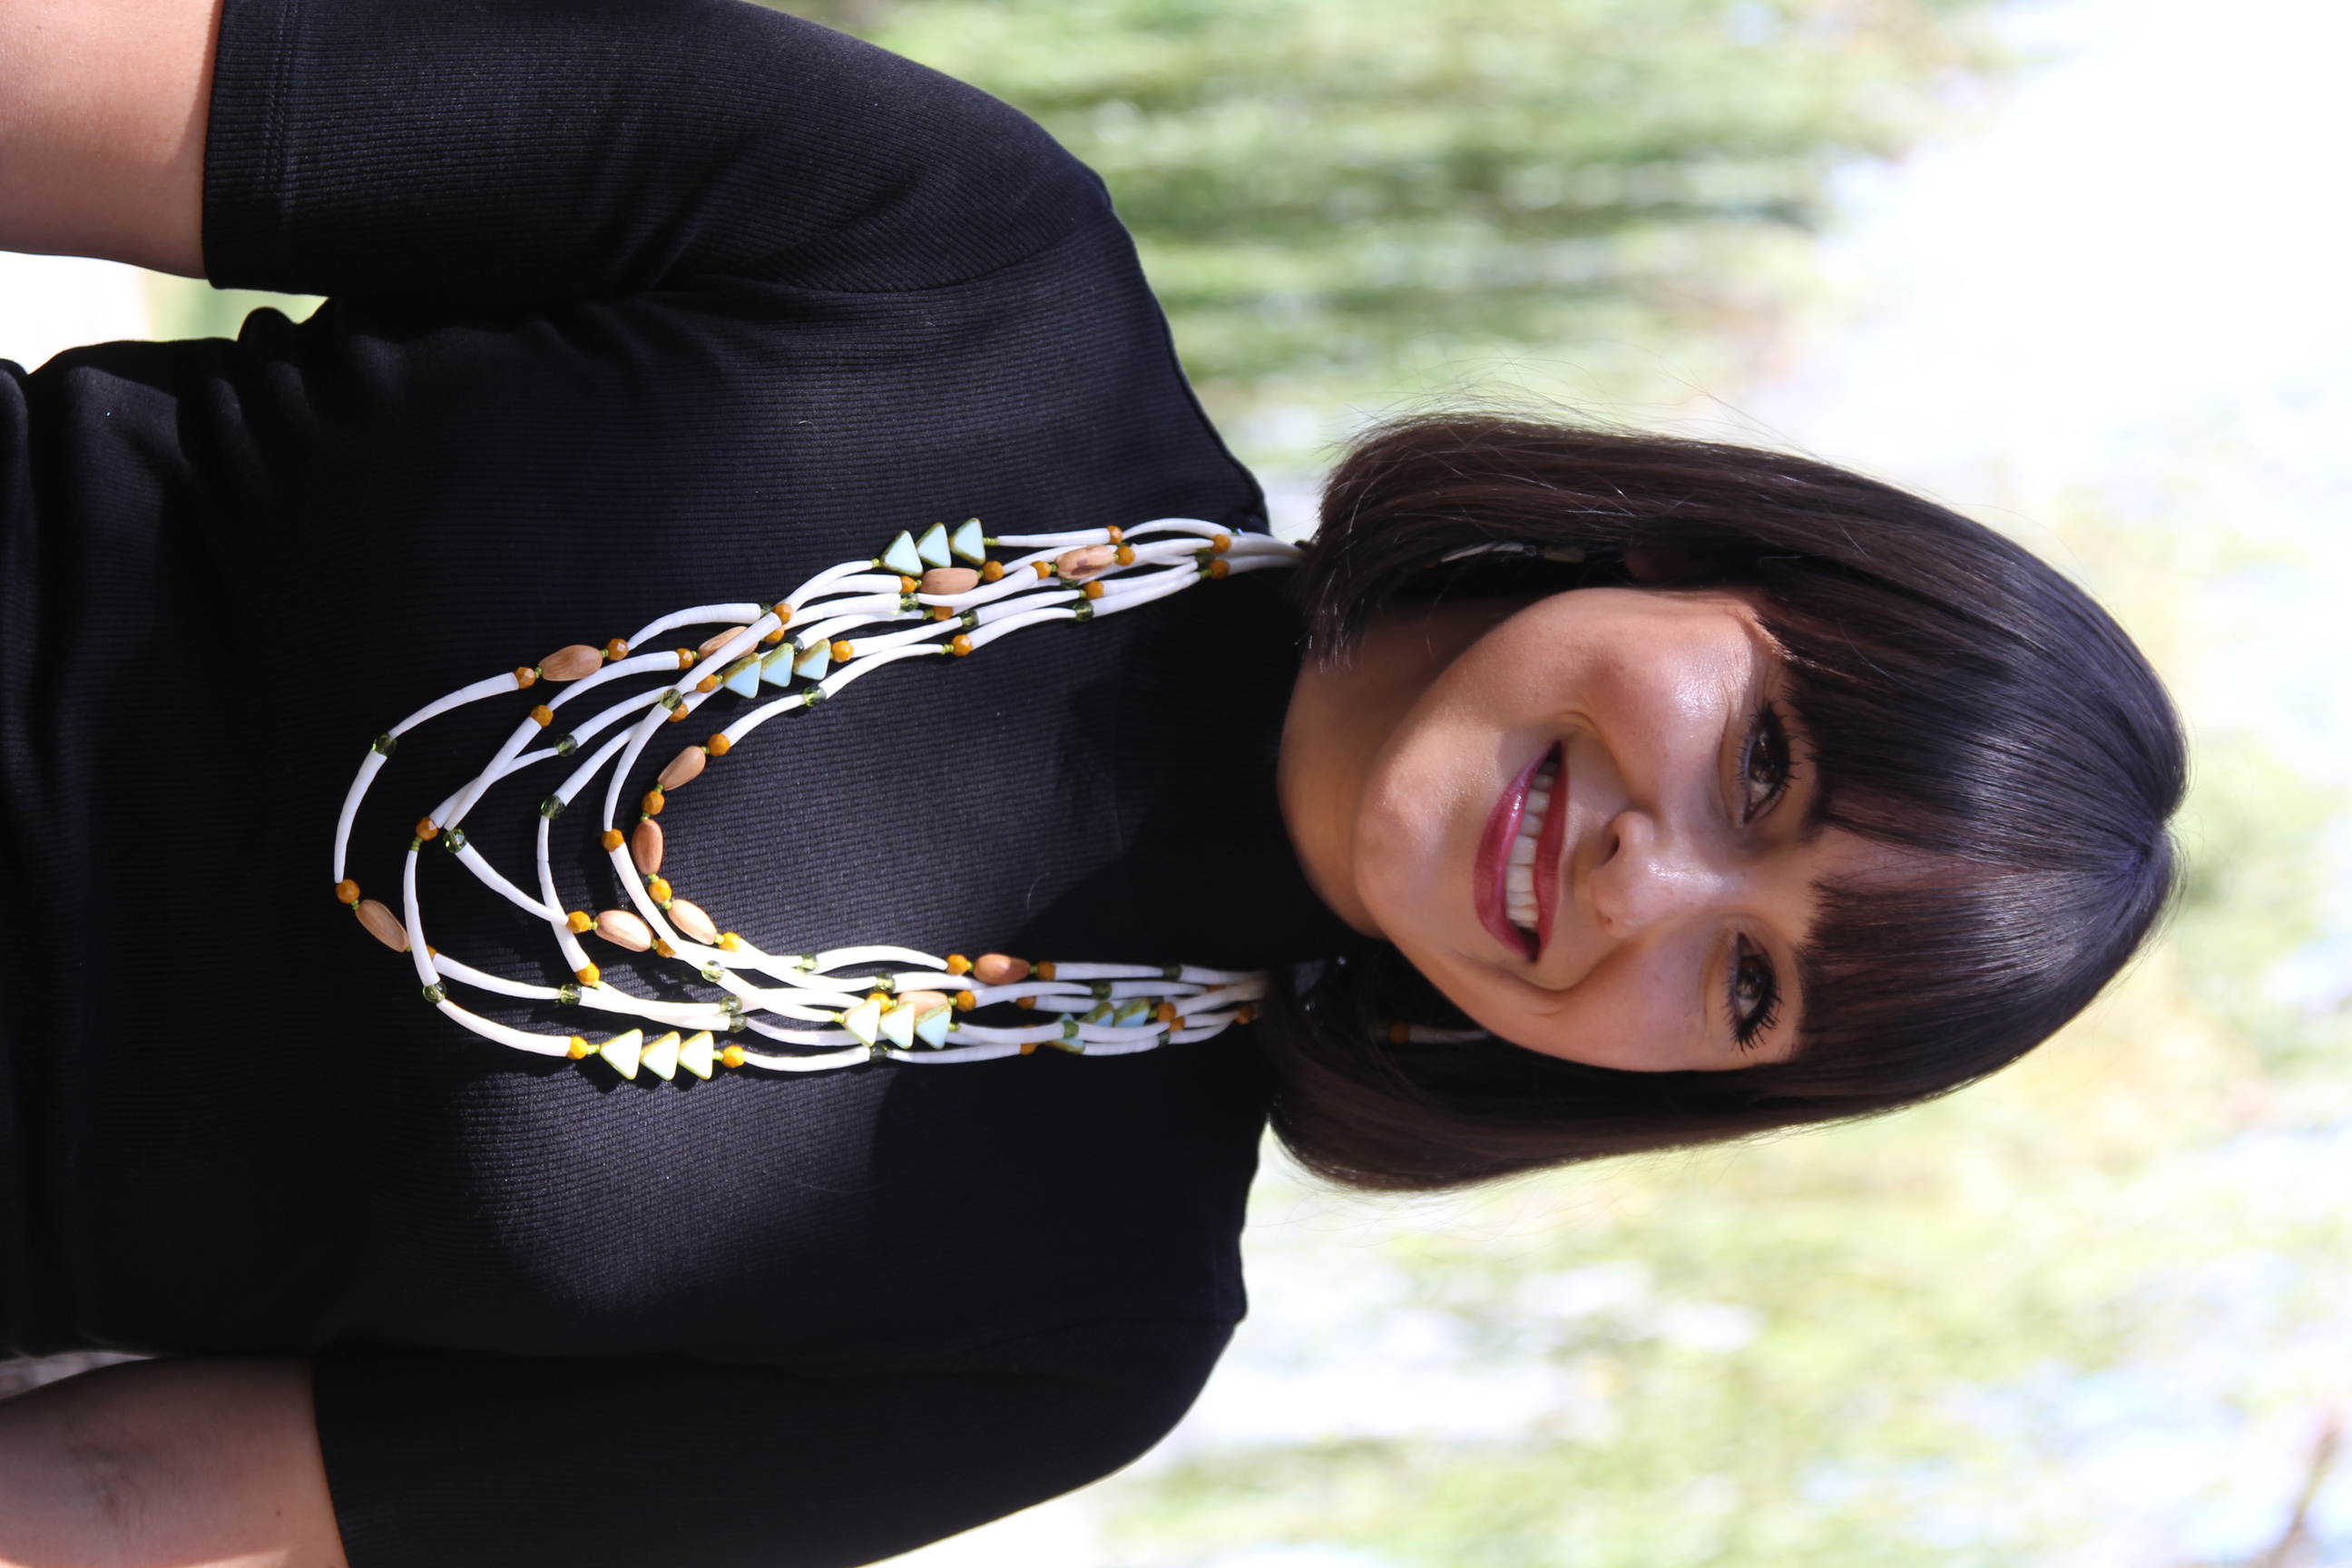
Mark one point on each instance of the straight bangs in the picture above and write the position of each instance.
(1959, 699)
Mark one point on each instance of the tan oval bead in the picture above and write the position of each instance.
(692, 923)
(572, 663)
(623, 928)
(1086, 560)
(999, 969)
(685, 768)
(924, 1002)
(384, 925)
(951, 580)
(713, 645)
(646, 847)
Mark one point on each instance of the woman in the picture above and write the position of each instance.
(1831, 800)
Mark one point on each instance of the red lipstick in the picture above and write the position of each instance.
(1488, 872)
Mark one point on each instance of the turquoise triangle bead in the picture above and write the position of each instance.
(815, 662)
(967, 542)
(933, 1028)
(933, 546)
(744, 679)
(776, 669)
(898, 1026)
(901, 557)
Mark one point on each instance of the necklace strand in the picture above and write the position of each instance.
(912, 1009)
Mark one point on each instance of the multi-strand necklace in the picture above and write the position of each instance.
(946, 597)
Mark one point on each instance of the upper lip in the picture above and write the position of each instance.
(1494, 852)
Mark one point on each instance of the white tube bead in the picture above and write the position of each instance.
(520, 1040)
(370, 765)
(473, 860)
(449, 968)
(700, 615)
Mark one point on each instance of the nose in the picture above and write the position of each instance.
(1651, 877)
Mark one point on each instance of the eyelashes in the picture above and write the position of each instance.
(1766, 771)
(1766, 766)
(1755, 993)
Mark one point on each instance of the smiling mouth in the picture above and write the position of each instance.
(1520, 905)
(1514, 903)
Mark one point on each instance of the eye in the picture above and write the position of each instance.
(1764, 767)
(1755, 993)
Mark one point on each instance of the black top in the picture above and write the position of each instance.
(636, 305)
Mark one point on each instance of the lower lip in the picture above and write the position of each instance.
(1494, 857)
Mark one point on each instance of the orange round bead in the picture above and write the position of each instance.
(1118, 534)
(579, 920)
(1044, 568)
(542, 715)
(843, 651)
(348, 890)
(908, 585)
(965, 1001)
(678, 713)
(580, 1049)
(588, 975)
(1028, 1048)
(525, 677)
(616, 648)
(1165, 1012)
(958, 645)
(658, 891)
(613, 840)
(708, 683)
(664, 948)
(783, 614)
(991, 571)
(1092, 590)
(730, 942)
(732, 1055)
(1221, 542)
(959, 964)
(654, 801)
(1125, 556)
(1219, 569)
(1043, 970)
(1246, 1014)
(686, 656)
(719, 746)
(428, 829)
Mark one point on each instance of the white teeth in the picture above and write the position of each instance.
(1520, 872)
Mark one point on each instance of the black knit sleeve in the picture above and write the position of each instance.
(497, 153)
(459, 1460)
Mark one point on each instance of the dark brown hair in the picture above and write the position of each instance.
(1960, 697)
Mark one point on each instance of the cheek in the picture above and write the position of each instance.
(1636, 1012)
(1408, 841)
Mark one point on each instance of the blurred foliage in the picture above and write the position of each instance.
(1345, 203)
(191, 308)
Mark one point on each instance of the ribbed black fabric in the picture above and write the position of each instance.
(635, 306)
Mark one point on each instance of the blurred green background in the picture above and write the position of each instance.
(2093, 1313)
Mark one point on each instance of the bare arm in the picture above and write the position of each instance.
(166, 1464)
(102, 110)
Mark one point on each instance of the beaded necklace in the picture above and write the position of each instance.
(846, 1004)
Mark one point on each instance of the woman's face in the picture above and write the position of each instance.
(1584, 818)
